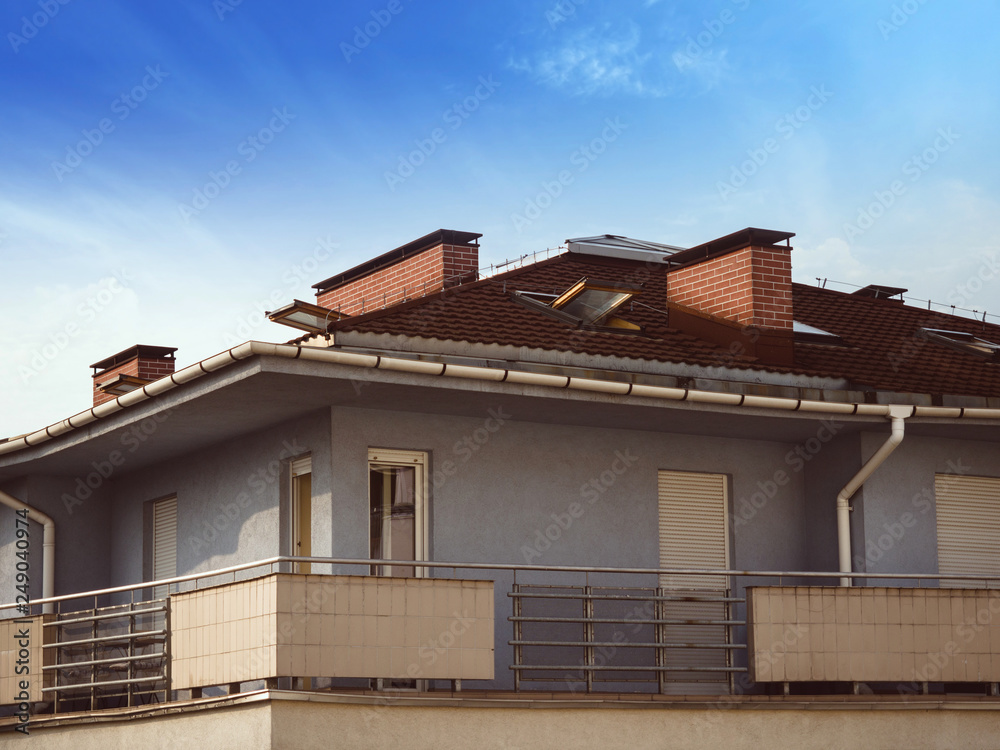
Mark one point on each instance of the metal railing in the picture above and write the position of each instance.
(109, 656)
(687, 634)
(567, 625)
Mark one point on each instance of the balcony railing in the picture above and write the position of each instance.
(566, 628)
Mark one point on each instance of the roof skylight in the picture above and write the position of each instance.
(589, 302)
(961, 341)
(305, 316)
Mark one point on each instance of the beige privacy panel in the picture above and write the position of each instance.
(287, 625)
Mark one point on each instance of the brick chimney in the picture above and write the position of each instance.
(436, 261)
(131, 369)
(737, 288)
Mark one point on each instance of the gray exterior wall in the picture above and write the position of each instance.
(499, 481)
(228, 500)
(899, 510)
(82, 532)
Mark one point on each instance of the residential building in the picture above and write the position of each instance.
(611, 493)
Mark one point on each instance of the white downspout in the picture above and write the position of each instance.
(844, 498)
(48, 546)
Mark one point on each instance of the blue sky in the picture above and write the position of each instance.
(168, 170)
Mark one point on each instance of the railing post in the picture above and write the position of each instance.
(130, 687)
(516, 609)
(728, 611)
(168, 635)
(93, 657)
(588, 635)
(661, 653)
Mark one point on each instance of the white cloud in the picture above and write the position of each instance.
(599, 60)
(831, 259)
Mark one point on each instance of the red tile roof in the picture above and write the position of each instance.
(881, 351)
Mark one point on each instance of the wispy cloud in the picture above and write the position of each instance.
(600, 60)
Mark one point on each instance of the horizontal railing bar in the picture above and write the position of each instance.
(603, 597)
(607, 668)
(92, 618)
(89, 685)
(355, 562)
(628, 644)
(72, 664)
(105, 638)
(581, 620)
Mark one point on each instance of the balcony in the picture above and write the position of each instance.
(562, 631)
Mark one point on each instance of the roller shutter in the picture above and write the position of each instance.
(968, 526)
(693, 518)
(164, 542)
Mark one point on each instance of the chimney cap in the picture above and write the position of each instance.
(438, 237)
(139, 350)
(751, 236)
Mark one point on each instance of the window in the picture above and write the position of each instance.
(305, 316)
(694, 534)
(164, 547)
(397, 493)
(963, 342)
(301, 499)
(968, 526)
(589, 302)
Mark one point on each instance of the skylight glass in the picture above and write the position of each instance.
(588, 302)
(798, 327)
(962, 341)
(592, 301)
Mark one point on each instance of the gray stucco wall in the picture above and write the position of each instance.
(78, 506)
(899, 509)
(228, 499)
(825, 475)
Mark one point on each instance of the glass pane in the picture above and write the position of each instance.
(591, 305)
(392, 491)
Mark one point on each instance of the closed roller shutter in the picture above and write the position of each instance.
(164, 542)
(693, 531)
(968, 526)
(693, 526)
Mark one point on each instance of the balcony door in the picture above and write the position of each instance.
(397, 492)
(301, 505)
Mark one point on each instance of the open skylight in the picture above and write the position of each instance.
(813, 335)
(961, 341)
(305, 316)
(589, 302)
